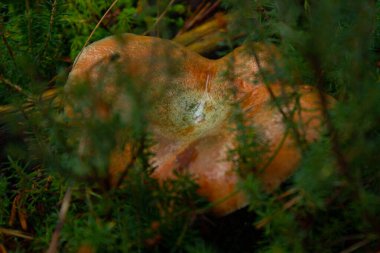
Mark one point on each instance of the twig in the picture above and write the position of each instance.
(131, 163)
(16, 233)
(200, 13)
(2, 248)
(28, 14)
(93, 31)
(292, 202)
(159, 18)
(215, 25)
(51, 23)
(357, 245)
(5, 109)
(189, 22)
(332, 133)
(210, 42)
(15, 87)
(50, 94)
(287, 118)
(217, 202)
(61, 221)
(9, 49)
(126, 170)
(288, 193)
(209, 10)
(276, 151)
(182, 234)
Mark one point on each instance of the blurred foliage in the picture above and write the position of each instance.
(335, 194)
(331, 204)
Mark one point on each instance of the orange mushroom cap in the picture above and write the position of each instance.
(191, 115)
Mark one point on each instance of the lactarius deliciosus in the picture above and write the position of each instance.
(192, 102)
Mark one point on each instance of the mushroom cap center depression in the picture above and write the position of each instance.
(185, 114)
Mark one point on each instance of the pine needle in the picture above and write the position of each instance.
(93, 31)
(159, 18)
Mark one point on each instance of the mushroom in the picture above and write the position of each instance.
(192, 104)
